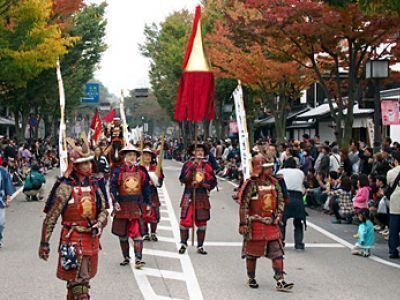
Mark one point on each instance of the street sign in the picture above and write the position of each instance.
(92, 93)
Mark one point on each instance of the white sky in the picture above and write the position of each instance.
(122, 66)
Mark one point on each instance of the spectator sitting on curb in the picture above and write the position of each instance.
(33, 185)
(366, 235)
(342, 206)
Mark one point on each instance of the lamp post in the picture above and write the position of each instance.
(377, 70)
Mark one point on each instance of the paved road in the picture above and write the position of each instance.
(326, 270)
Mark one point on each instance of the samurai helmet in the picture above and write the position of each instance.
(79, 154)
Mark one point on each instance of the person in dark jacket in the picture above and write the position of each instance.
(33, 185)
(324, 166)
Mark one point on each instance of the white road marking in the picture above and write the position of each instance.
(160, 227)
(164, 273)
(287, 245)
(17, 192)
(145, 286)
(161, 253)
(188, 275)
(349, 245)
(167, 239)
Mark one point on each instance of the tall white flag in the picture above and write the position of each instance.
(243, 132)
(62, 134)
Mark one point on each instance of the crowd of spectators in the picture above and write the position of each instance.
(27, 162)
(342, 182)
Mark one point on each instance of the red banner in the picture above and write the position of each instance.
(110, 116)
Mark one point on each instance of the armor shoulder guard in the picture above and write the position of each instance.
(61, 185)
(244, 186)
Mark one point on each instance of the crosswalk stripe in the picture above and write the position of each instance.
(161, 253)
(161, 227)
(164, 273)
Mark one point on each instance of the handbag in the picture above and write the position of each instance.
(383, 206)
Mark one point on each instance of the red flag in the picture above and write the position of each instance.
(94, 119)
(96, 126)
(196, 94)
(110, 116)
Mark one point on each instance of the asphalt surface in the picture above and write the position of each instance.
(325, 270)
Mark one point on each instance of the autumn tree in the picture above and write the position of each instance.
(29, 44)
(78, 66)
(332, 40)
(275, 80)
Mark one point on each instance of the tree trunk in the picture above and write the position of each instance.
(47, 125)
(25, 121)
(280, 128)
(206, 128)
(18, 130)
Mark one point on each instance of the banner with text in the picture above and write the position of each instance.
(242, 131)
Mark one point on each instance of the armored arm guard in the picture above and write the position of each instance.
(62, 195)
(244, 199)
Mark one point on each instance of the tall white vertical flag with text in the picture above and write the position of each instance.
(62, 144)
(243, 132)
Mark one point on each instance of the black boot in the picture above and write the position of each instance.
(252, 283)
(126, 261)
(283, 286)
(182, 250)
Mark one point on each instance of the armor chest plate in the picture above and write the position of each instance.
(130, 183)
(81, 207)
(264, 204)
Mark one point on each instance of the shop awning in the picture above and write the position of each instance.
(6, 122)
(271, 120)
(323, 110)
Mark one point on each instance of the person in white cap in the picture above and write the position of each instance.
(130, 191)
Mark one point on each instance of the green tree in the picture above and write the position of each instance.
(29, 44)
(165, 46)
(77, 68)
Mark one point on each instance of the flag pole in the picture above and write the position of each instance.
(62, 139)
(123, 118)
(194, 189)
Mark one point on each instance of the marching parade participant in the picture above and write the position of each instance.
(261, 208)
(81, 205)
(101, 171)
(115, 136)
(130, 190)
(156, 181)
(198, 176)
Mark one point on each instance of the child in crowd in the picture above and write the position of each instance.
(341, 205)
(366, 234)
(360, 200)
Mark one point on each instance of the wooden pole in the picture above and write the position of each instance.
(194, 189)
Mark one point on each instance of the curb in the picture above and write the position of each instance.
(16, 194)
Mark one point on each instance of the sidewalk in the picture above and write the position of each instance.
(345, 232)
